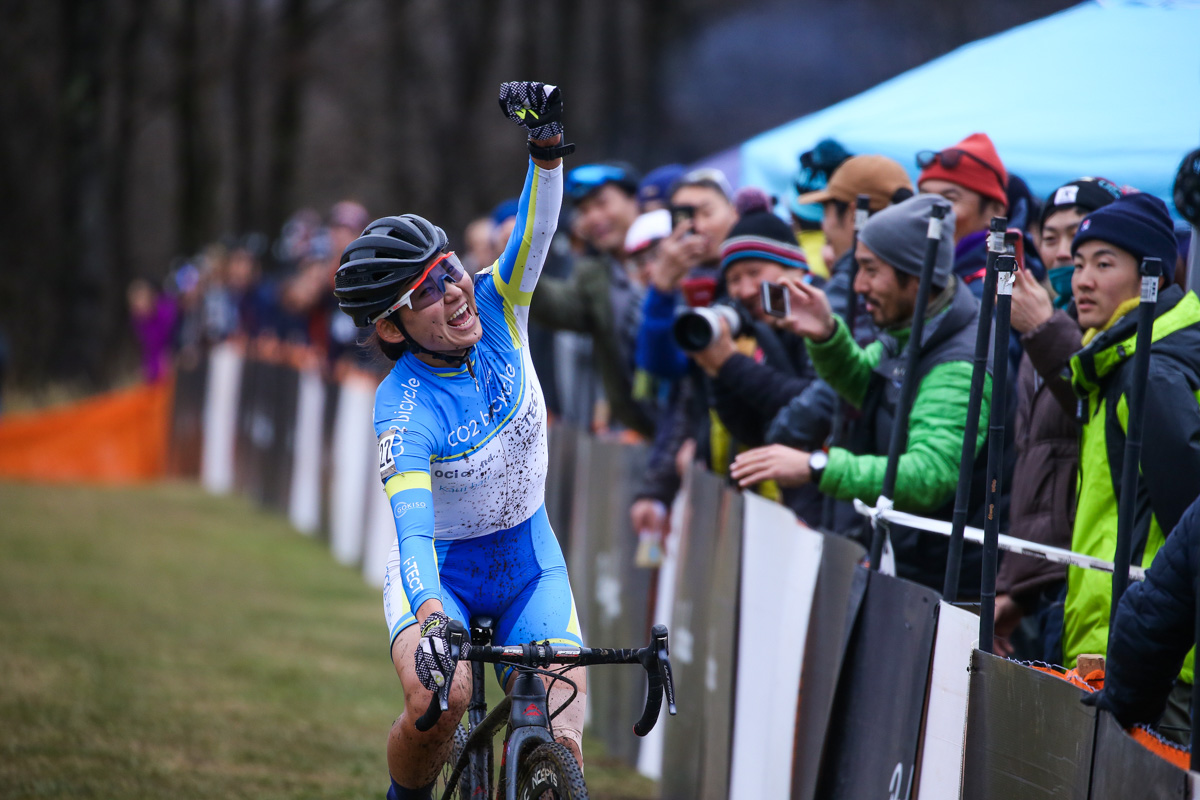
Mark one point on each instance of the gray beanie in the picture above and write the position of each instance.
(897, 236)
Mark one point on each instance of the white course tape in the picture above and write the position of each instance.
(1010, 543)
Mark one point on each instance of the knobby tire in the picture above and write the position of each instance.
(468, 782)
(550, 772)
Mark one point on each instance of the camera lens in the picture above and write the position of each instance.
(695, 330)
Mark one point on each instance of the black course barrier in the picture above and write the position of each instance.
(279, 402)
(560, 482)
(617, 596)
(1028, 735)
(836, 601)
(187, 417)
(703, 643)
(1122, 768)
(871, 745)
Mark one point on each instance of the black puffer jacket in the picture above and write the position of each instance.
(1154, 630)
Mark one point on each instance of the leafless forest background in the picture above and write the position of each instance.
(135, 131)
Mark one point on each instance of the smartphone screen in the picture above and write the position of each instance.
(681, 215)
(775, 299)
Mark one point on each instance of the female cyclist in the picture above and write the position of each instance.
(462, 445)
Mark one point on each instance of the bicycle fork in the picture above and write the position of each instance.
(528, 723)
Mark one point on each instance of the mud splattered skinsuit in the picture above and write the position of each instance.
(463, 459)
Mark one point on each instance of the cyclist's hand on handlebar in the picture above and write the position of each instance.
(435, 667)
(537, 107)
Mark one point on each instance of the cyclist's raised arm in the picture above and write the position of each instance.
(538, 108)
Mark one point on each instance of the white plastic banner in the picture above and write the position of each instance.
(220, 418)
(354, 459)
(304, 499)
(780, 562)
(945, 724)
(650, 755)
(380, 533)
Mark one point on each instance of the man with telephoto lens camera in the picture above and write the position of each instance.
(752, 369)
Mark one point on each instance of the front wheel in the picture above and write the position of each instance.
(471, 782)
(550, 772)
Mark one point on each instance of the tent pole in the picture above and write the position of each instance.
(966, 462)
(908, 388)
(1006, 270)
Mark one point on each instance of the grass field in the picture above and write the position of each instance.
(162, 643)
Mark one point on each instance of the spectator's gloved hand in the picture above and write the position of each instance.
(537, 107)
(435, 667)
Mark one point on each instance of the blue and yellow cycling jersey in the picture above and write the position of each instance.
(464, 455)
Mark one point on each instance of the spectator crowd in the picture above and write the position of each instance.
(767, 340)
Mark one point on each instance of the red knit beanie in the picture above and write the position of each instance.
(971, 170)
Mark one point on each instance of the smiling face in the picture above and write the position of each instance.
(450, 326)
(888, 298)
(1105, 276)
(604, 216)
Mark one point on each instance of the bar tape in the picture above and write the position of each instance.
(1010, 543)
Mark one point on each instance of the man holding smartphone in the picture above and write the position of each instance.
(890, 253)
(754, 373)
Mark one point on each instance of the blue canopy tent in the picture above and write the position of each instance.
(1103, 88)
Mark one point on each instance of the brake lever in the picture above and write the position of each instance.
(664, 669)
(654, 659)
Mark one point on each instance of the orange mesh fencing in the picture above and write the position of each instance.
(118, 437)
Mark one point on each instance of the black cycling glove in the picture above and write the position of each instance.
(537, 107)
(435, 667)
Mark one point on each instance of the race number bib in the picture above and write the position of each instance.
(387, 463)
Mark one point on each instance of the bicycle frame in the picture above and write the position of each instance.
(525, 709)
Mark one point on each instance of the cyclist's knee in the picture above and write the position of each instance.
(568, 725)
(417, 698)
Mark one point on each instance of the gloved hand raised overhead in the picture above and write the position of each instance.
(537, 107)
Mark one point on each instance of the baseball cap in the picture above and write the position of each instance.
(1087, 194)
(879, 177)
(658, 182)
(647, 229)
(711, 177)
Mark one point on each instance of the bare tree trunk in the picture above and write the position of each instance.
(241, 83)
(128, 85)
(81, 266)
(196, 161)
(285, 124)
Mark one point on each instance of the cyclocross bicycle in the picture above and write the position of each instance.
(533, 764)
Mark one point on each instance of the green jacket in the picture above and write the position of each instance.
(1170, 468)
(928, 471)
(583, 303)
(927, 475)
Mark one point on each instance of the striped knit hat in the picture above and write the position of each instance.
(761, 234)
